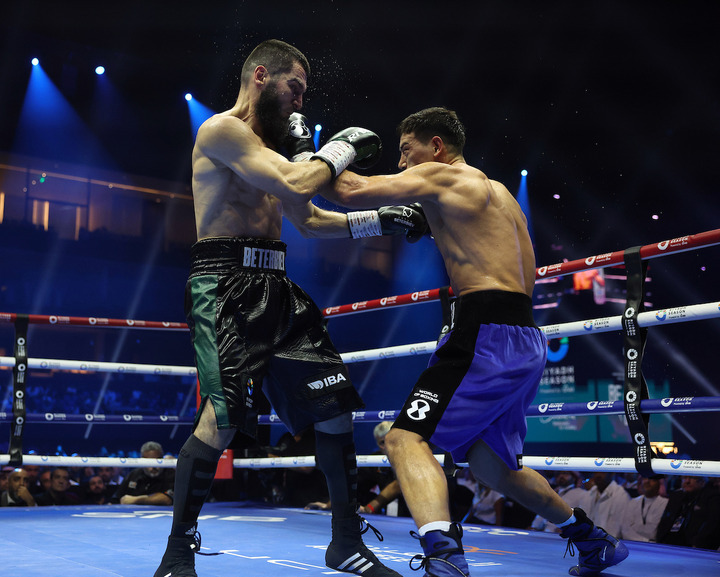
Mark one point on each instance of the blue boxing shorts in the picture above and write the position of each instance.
(254, 329)
(481, 378)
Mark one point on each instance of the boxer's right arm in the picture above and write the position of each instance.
(228, 141)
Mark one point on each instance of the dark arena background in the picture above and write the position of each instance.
(603, 118)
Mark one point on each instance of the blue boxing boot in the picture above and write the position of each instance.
(597, 549)
(444, 553)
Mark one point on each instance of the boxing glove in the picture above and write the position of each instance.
(388, 220)
(299, 142)
(416, 234)
(356, 146)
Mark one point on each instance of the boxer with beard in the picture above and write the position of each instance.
(252, 328)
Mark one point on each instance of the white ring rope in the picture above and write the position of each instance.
(102, 367)
(613, 464)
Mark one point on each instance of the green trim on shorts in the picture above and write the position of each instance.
(203, 291)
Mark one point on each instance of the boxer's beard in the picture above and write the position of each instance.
(274, 126)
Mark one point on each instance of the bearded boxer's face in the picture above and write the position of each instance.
(269, 112)
(281, 96)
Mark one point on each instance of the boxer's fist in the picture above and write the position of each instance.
(299, 142)
(356, 146)
(417, 234)
(407, 220)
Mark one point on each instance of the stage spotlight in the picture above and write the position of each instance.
(316, 136)
(35, 62)
(188, 97)
(100, 70)
(523, 172)
(556, 196)
(655, 217)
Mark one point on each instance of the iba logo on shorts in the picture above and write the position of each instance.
(418, 410)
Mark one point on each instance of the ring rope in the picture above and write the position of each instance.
(572, 329)
(598, 408)
(613, 464)
(665, 316)
(675, 245)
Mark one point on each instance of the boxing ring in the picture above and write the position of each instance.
(123, 540)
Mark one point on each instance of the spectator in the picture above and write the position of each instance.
(4, 474)
(96, 493)
(147, 485)
(383, 494)
(17, 493)
(643, 513)
(487, 507)
(606, 502)
(111, 476)
(58, 493)
(692, 515)
(44, 481)
(33, 473)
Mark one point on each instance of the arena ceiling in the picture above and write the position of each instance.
(612, 106)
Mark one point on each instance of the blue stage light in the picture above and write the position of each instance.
(523, 172)
(35, 62)
(188, 97)
(100, 70)
(318, 127)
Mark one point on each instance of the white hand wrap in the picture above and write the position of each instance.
(302, 157)
(364, 223)
(338, 155)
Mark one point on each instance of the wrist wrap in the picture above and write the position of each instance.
(364, 223)
(338, 154)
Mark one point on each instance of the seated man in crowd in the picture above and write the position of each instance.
(59, 492)
(643, 513)
(96, 493)
(147, 485)
(692, 515)
(17, 493)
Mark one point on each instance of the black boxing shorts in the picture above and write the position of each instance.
(254, 329)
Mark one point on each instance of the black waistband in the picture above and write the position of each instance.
(217, 255)
(495, 307)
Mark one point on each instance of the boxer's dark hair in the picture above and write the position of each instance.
(275, 55)
(435, 121)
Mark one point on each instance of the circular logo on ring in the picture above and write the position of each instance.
(632, 354)
(543, 407)
(592, 405)
(631, 396)
(418, 410)
(639, 438)
(666, 402)
(663, 245)
(630, 312)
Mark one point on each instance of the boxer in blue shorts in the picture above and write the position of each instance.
(472, 398)
(464, 395)
(252, 328)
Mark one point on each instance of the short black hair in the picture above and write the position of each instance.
(435, 121)
(275, 55)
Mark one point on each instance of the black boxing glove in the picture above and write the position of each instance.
(388, 220)
(356, 146)
(299, 142)
(416, 234)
